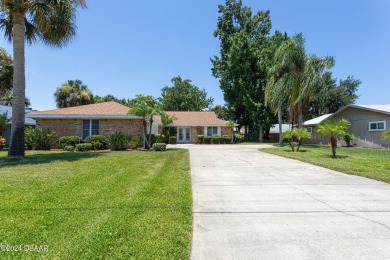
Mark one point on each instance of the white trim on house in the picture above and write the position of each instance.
(377, 123)
(218, 130)
(184, 134)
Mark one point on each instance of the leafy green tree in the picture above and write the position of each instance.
(6, 72)
(295, 75)
(334, 129)
(7, 100)
(245, 50)
(386, 134)
(109, 97)
(73, 93)
(184, 96)
(51, 22)
(222, 112)
(334, 96)
(145, 107)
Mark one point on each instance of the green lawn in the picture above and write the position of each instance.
(370, 163)
(116, 205)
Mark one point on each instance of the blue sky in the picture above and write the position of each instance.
(136, 47)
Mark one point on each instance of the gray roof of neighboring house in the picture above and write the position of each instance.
(8, 109)
(385, 109)
(275, 128)
(376, 108)
(317, 120)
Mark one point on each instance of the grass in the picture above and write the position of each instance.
(114, 205)
(370, 163)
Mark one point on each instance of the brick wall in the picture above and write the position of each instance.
(130, 126)
(66, 127)
(227, 131)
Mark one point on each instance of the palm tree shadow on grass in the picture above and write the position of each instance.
(36, 159)
(337, 156)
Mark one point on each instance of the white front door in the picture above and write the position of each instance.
(183, 134)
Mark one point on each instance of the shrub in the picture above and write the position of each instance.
(348, 137)
(69, 148)
(172, 139)
(83, 147)
(227, 139)
(119, 141)
(154, 139)
(98, 141)
(136, 142)
(200, 138)
(159, 138)
(159, 147)
(69, 140)
(207, 139)
(216, 138)
(238, 138)
(39, 138)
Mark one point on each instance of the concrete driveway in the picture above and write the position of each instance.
(252, 205)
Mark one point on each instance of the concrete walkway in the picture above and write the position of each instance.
(252, 205)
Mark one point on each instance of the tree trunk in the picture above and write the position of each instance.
(333, 141)
(260, 134)
(150, 131)
(145, 135)
(246, 133)
(19, 88)
(300, 115)
(280, 126)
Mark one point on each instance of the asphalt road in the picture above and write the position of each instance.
(252, 205)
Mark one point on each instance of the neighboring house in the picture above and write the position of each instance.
(190, 124)
(6, 133)
(316, 138)
(109, 117)
(367, 123)
(274, 131)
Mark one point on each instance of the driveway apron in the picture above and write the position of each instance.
(252, 205)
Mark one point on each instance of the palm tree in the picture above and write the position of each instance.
(145, 107)
(53, 23)
(294, 75)
(73, 93)
(334, 129)
(386, 134)
(165, 121)
(8, 99)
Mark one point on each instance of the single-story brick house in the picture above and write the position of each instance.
(367, 123)
(109, 117)
(190, 124)
(6, 133)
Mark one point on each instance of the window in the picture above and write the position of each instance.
(377, 126)
(309, 129)
(212, 130)
(90, 127)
